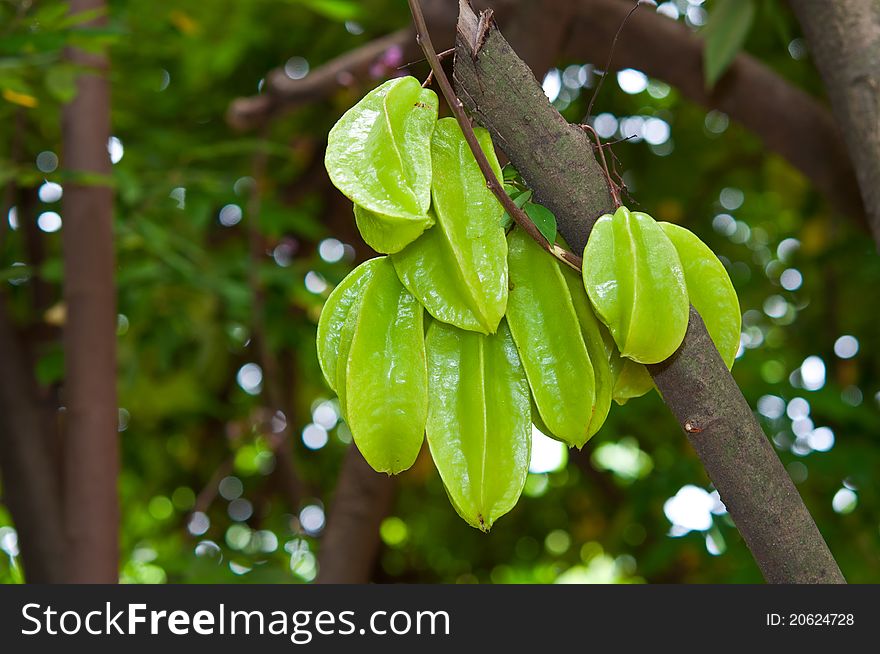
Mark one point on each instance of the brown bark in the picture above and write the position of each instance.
(91, 452)
(789, 121)
(29, 480)
(350, 543)
(283, 93)
(558, 162)
(844, 38)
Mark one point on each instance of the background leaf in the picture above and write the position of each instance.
(725, 32)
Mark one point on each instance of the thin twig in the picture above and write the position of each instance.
(610, 55)
(440, 55)
(612, 186)
(518, 215)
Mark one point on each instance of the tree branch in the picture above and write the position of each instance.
(789, 121)
(557, 159)
(91, 449)
(283, 93)
(844, 39)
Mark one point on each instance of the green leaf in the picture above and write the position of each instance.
(340, 10)
(519, 199)
(510, 174)
(544, 220)
(61, 83)
(725, 32)
(50, 367)
(68, 20)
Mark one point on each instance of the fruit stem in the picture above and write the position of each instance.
(612, 185)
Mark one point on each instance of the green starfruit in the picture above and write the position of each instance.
(631, 379)
(712, 294)
(458, 268)
(596, 338)
(379, 156)
(709, 289)
(550, 338)
(635, 282)
(380, 369)
(336, 309)
(478, 429)
(386, 233)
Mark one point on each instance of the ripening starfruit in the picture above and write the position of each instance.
(635, 282)
(709, 289)
(559, 343)
(372, 351)
(596, 338)
(711, 293)
(478, 429)
(631, 379)
(340, 302)
(458, 268)
(379, 156)
(386, 233)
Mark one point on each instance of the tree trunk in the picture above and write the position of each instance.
(91, 455)
(844, 38)
(351, 542)
(29, 479)
(557, 161)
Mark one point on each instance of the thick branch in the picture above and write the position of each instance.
(789, 121)
(91, 451)
(542, 145)
(753, 484)
(283, 93)
(351, 542)
(844, 38)
(29, 478)
(558, 161)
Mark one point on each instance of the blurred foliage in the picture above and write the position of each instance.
(195, 422)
